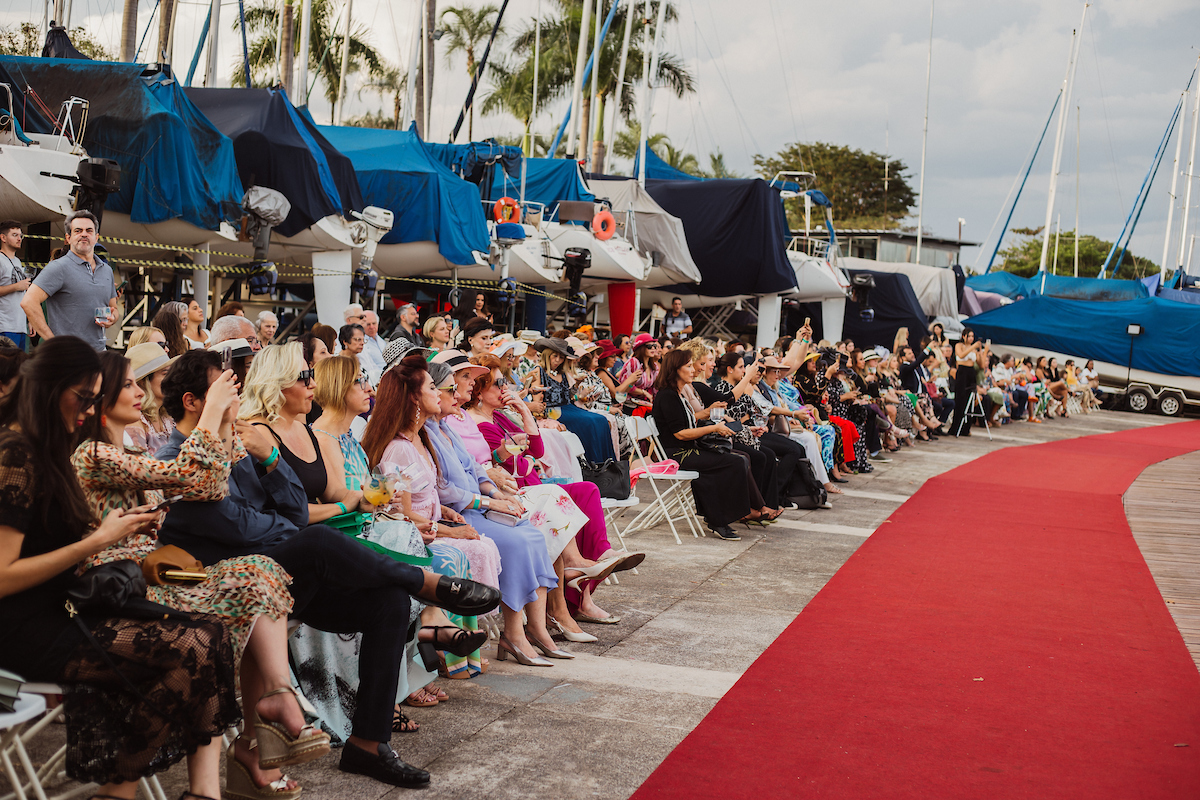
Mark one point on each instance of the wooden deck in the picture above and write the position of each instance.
(1162, 507)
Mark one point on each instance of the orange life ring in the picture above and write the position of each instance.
(506, 210)
(603, 225)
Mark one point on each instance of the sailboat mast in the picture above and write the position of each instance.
(577, 89)
(616, 102)
(410, 95)
(341, 95)
(654, 53)
(537, 65)
(1162, 271)
(1078, 114)
(300, 87)
(645, 111)
(214, 29)
(1187, 195)
(594, 116)
(924, 138)
(1068, 80)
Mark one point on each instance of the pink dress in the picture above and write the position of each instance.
(481, 553)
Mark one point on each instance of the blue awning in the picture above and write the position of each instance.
(468, 160)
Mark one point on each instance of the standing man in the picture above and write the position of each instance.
(13, 283)
(74, 288)
(373, 347)
(677, 322)
(408, 324)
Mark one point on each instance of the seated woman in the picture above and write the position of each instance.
(607, 358)
(555, 375)
(813, 383)
(248, 593)
(464, 489)
(344, 395)
(193, 325)
(790, 429)
(265, 325)
(153, 426)
(503, 438)
(646, 357)
(182, 663)
(144, 334)
(732, 373)
(437, 333)
(476, 337)
(722, 492)
(592, 394)
(810, 415)
(846, 403)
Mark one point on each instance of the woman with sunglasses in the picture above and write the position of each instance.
(154, 426)
(276, 400)
(183, 663)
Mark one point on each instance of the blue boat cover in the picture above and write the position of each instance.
(1015, 287)
(1086, 329)
(431, 203)
(736, 231)
(174, 163)
(547, 180)
(468, 160)
(280, 148)
(895, 304)
(659, 170)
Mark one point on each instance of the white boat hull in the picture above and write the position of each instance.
(612, 260)
(25, 193)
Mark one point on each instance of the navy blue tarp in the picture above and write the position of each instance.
(278, 147)
(547, 180)
(174, 163)
(430, 202)
(896, 306)
(469, 160)
(1095, 330)
(736, 232)
(1015, 287)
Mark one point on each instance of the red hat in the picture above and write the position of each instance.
(641, 339)
(607, 348)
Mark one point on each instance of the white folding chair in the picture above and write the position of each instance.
(672, 498)
(613, 509)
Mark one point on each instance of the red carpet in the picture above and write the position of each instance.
(1018, 569)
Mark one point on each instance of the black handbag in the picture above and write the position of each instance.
(611, 478)
(117, 588)
(716, 443)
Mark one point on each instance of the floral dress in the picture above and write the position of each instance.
(237, 590)
(600, 403)
(738, 410)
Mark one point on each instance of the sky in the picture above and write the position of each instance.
(773, 72)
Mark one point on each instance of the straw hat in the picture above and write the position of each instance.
(505, 342)
(529, 336)
(398, 348)
(148, 358)
(457, 360)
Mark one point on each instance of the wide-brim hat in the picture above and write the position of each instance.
(641, 339)
(580, 347)
(871, 355)
(559, 346)
(457, 361)
(148, 358)
(443, 376)
(607, 348)
(774, 363)
(398, 349)
(240, 348)
(529, 336)
(505, 342)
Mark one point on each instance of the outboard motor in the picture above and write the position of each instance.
(376, 223)
(264, 209)
(576, 260)
(861, 285)
(95, 180)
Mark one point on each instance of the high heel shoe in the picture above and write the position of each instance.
(240, 786)
(548, 653)
(570, 636)
(278, 748)
(596, 572)
(504, 649)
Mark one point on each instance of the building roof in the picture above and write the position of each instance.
(892, 232)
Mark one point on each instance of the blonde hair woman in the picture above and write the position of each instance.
(276, 399)
(149, 363)
(437, 333)
(144, 334)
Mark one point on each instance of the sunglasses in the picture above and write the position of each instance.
(306, 375)
(163, 345)
(87, 400)
(501, 382)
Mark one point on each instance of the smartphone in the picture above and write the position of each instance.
(988, 342)
(807, 320)
(450, 523)
(227, 359)
(185, 575)
(170, 501)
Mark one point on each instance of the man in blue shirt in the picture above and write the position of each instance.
(337, 584)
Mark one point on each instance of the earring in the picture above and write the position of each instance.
(103, 420)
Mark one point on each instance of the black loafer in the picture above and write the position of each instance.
(726, 533)
(463, 597)
(838, 480)
(385, 767)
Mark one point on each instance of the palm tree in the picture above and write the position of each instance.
(391, 81)
(560, 37)
(626, 144)
(325, 46)
(464, 29)
(717, 168)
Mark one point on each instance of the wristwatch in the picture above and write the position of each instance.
(485, 503)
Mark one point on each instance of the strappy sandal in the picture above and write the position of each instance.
(240, 786)
(278, 748)
(423, 699)
(401, 723)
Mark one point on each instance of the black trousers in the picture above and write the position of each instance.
(788, 453)
(964, 387)
(340, 586)
(763, 468)
(943, 407)
(722, 491)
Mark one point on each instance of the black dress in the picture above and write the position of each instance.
(722, 491)
(312, 474)
(185, 667)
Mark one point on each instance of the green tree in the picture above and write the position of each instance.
(390, 82)
(1024, 255)
(512, 79)
(717, 168)
(325, 46)
(26, 40)
(466, 29)
(852, 180)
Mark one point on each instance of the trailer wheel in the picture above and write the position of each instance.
(1170, 406)
(1138, 400)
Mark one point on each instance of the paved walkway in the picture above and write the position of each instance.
(694, 619)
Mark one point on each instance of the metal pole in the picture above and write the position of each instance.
(214, 35)
(1057, 231)
(1077, 117)
(300, 87)
(1162, 271)
(924, 138)
(594, 115)
(426, 74)
(610, 139)
(341, 94)
(577, 89)
(532, 126)
(645, 111)
(1188, 176)
(1068, 81)
(410, 96)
